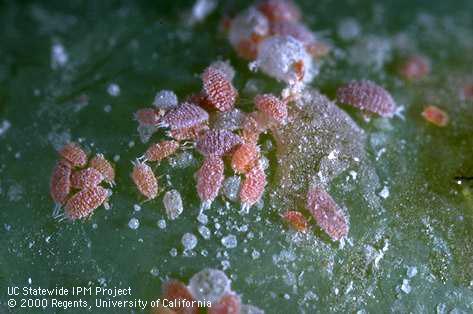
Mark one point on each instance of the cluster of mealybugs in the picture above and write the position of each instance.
(76, 182)
(210, 288)
(187, 122)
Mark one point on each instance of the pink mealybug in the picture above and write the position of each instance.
(161, 150)
(296, 220)
(219, 89)
(253, 125)
(435, 116)
(245, 157)
(252, 187)
(191, 133)
(60, 184)
(415, 67)
(147, 117)
(217, 142)
(280, 10)
(367, 96)
(175, 291)
(209, 180)
(83, 203)
(327, 213)
(145, 180)
(185, 116)
(229, 304)
(86, 178)
(73, 153)
(104, 167)
(272, 107)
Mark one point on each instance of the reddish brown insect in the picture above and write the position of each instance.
(175, 291)
(245, 157)
(435, 116)
(60, 184)
(104, 167)
(83, 203)
(191, 133)
(299, 69)
(368, 96)
(252, 187)
(415, 67)
(209, 180)
(272, 107)
(73, 153)
(252, 127)
(217, 142)
(280, 10)
(219, 89)
(147, 117)
(162, 150)
(144, 179)
(296, 220)
(327, 214)
(185, 116)
(228, 304)
(86, 178)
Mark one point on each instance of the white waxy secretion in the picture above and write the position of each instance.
(173, 204)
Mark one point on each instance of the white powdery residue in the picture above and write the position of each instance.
(189, 241)
(380, 153)
(411, 271)
(161, 224)
(333, 154)
(134, 223)
(353, 174)
(202, 218)
(230, 241)
(405, 287)
(136, 208)
(384, 193)
(113, 89)
(201, 9)
(348, 29)
(380, 254)
(59, 56)
(4, 127)
(173, 204)
(204, 232)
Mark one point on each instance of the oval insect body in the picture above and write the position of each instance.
(252, 127)
(162, 150)
(415, 68)
(145, 180)
(73, 153)
(217, 142)
(175, 291)
(327, 213)
(191, 133)
(147, 117)
(83, 203)
(252, 187)
(209, 179)
(296, 220)
(60, 184)
(104, 167)
(245, 157)
(219, 89)
(435, 116)
(185, 116)
(86, 178)
(280, 10)
(272, 107)
(368, 96)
